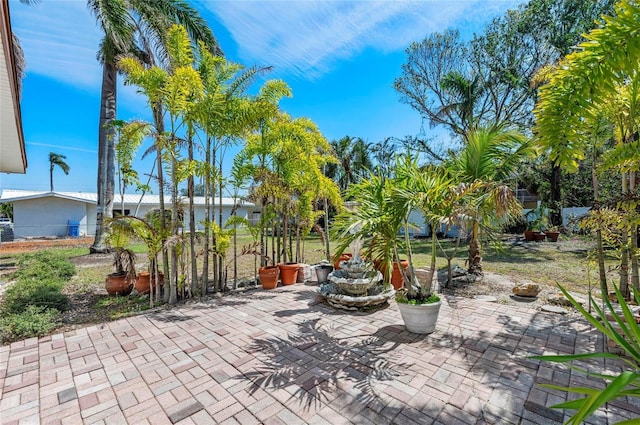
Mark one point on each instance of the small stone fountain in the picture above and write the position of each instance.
(356, 284)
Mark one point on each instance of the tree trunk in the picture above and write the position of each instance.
(555, 197)
(285, 231)
(327, 244)
(207, 218)
(192, 224)
(158, 120)
(51, 177)
(475, 250)
(173, 285)
(104, 207)
(263, 240)
(600, 249)
(214, 241)
(222, 278)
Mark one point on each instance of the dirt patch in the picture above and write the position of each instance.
(500, 287)
(30, 245)
(92, 260)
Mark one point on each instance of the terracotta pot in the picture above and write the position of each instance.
(143, 282)
(269, 276)
(343, 257)
(539, 236)
(118, 284)
(552, 236)
(529, 235)
(396, 275)
(288, 273)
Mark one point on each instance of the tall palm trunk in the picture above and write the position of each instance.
(173, 284)
(159, 124)
(106, 156)
(214, 240)
(222, 279)
(192, 221)
(207, 217)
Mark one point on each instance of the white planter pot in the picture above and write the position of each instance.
(420, 318)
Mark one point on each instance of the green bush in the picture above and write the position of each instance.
(31, 292)
(33, 321)
(44, 265)
(39, 282)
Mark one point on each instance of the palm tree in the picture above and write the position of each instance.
(355, 160)
(466, 93)
(55, 159)
(489, 158)
(135, 27)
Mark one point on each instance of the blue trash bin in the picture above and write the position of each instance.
(74, 229)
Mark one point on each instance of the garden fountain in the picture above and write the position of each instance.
(356, 284)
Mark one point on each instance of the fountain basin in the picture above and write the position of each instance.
(346, 283)
(375, 296)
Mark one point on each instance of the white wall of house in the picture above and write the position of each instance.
(49, 216)
(200, 215)
(88, 226)
(46, 216)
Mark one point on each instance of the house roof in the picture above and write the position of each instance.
(10, 195)
(13, 157)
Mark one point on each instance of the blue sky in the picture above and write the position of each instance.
(339, 58)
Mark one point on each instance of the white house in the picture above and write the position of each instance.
(38, 214)
(13, 158)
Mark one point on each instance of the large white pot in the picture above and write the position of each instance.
(420, 318)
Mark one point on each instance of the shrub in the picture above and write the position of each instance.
(40, 278)
(33, 321)
(31, 292)
(44, 265)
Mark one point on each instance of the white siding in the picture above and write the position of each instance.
(88, 226)
(200, 216)
(46, 216)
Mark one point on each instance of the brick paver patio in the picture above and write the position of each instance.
(284, 357)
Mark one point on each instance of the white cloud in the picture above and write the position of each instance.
(307, 38)
(60, 40)
(303, 38)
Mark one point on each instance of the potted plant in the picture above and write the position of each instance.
(428, 190)
(537, 222)
(371, 222)
(383, 208)
(269, 276)
(121, 281)
(146, 281)
(552, 234)
(288, 272)
(149, 231)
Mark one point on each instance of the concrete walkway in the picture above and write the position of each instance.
(283, 357)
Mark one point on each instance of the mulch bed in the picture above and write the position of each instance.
(30, 245)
